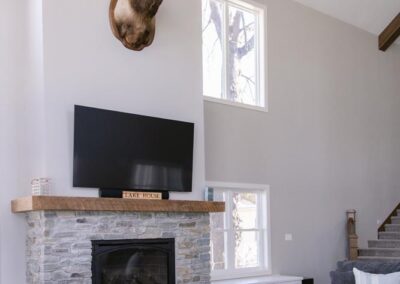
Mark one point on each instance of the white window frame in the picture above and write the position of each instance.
(261, 51)
(264, 226)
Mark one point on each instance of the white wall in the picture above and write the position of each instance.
(17, 100)
(84, 64)
(330, 141)
(61, 53)
(8, 167)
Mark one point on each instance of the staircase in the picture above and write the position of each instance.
(382, 255)
(387, 247)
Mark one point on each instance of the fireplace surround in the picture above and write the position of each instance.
(59, 244)
(61, 232)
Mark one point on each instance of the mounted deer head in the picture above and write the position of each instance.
(133, 22)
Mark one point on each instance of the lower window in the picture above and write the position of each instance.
(240, 236)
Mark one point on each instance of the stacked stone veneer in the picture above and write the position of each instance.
(59, 248)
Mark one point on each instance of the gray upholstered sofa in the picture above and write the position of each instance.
(344, 272)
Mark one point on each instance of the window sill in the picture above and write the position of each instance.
(235, 104)
(271, 279)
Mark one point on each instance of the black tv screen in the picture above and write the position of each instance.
(115, 150)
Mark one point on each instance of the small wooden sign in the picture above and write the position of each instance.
(142, 195)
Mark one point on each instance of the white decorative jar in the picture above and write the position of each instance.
(40, 186)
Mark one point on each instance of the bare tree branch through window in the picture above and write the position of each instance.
(231, 56)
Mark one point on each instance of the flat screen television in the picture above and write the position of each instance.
(122, 151)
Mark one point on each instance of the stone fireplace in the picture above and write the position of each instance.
(125, 246)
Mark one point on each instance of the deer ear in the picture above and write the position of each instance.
(152, 7)
(146, 7)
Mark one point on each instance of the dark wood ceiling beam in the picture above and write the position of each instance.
(390, 34)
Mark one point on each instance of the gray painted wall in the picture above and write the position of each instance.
(330, 141)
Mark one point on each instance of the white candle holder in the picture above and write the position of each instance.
(40, 186)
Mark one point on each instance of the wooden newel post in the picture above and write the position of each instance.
(351, 235)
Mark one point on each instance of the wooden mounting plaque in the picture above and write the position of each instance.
(142, 195)
(60, 203)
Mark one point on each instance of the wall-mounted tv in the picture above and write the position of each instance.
(122, 151)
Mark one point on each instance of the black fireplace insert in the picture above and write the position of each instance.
(144, 261)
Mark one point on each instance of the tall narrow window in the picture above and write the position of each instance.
(233, 49)
(240, 236)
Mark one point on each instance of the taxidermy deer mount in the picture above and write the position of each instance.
(133, 22)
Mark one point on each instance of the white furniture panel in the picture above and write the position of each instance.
(273, 279)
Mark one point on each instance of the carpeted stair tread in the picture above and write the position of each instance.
(384, 243)
(389, 235)
(395, 220)
(380, 252)
(392, 228)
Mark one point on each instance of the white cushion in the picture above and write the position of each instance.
(368, 278)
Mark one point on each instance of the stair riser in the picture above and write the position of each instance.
(384, 244)
(395, 221)
(389, 228)
(383, 236)
(377, 252)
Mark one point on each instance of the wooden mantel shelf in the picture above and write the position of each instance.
(60, 203)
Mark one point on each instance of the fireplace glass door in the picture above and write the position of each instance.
(149, 261)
